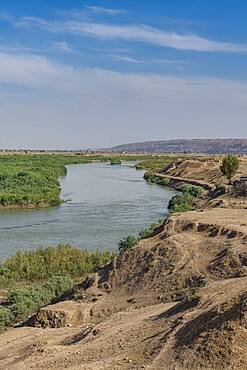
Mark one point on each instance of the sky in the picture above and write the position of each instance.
(80, 74)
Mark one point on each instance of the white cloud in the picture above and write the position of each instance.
(73, 104)
(155, 37)
(124, 58)
(109, 11)
(141, 33)
(63, 46)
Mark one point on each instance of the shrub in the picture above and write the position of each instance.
(25, 301)
(5, 317)
(193, 190)
(115, 161)
(148, 231)
(164, 182)
(151, 177)
(180, 203)
(127, 243)
(44, 263)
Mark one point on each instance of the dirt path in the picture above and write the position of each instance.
(183, 180)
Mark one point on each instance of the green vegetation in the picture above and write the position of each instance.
(43, 263)
(229, 166)
(193, 190)
(156, 163)
(32, 180)
(115, 161)
(28, 181)
(5, 317)
(126, 243)
(34, 279)
(151, 177)
(131, 241)
(184, 202)
(148, 231)
(25, 301)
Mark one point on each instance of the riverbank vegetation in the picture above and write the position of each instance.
(34, 279)
(24, 301)
(151, 177)
(115, 161)
(131, 241)
(32, 180)
(184, 202)
(44, 263)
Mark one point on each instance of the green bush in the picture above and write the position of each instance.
(152, 178)
(6, 317)
(43, 263)
(148, 231)
(25, 301)
(164, 182)
(126, 243)
(193, 190)
(115, 161)
(181, 203)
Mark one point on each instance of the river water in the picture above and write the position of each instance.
(104, 203)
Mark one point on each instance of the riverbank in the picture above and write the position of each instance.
(97, 198)
(177, 298)
(31, 181)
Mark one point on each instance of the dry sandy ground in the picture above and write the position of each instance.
(176, 301)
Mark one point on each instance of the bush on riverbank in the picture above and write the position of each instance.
(129, 242)
(184, 202)
(148, 231)
(34, 279)
(150, 177)
(25, 301)
(43, 263)
(115, 161)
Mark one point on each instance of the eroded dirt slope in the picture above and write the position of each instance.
(178, 300)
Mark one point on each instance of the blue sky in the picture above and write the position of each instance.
(76, 74)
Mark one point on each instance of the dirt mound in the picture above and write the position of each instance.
(203, 169)
(62, 314)
(189, 252)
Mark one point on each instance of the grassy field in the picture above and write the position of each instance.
(32, 180)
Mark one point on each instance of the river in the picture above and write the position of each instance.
(104, 203)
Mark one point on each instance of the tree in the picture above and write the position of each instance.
(229, 166)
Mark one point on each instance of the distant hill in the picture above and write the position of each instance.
(206, 146)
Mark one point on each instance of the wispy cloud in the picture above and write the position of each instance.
(124, 58)
(156, 37)
(135, 60)
(102, 10)
(63, 46)
(142, 33)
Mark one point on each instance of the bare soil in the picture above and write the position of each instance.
(178, 300)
